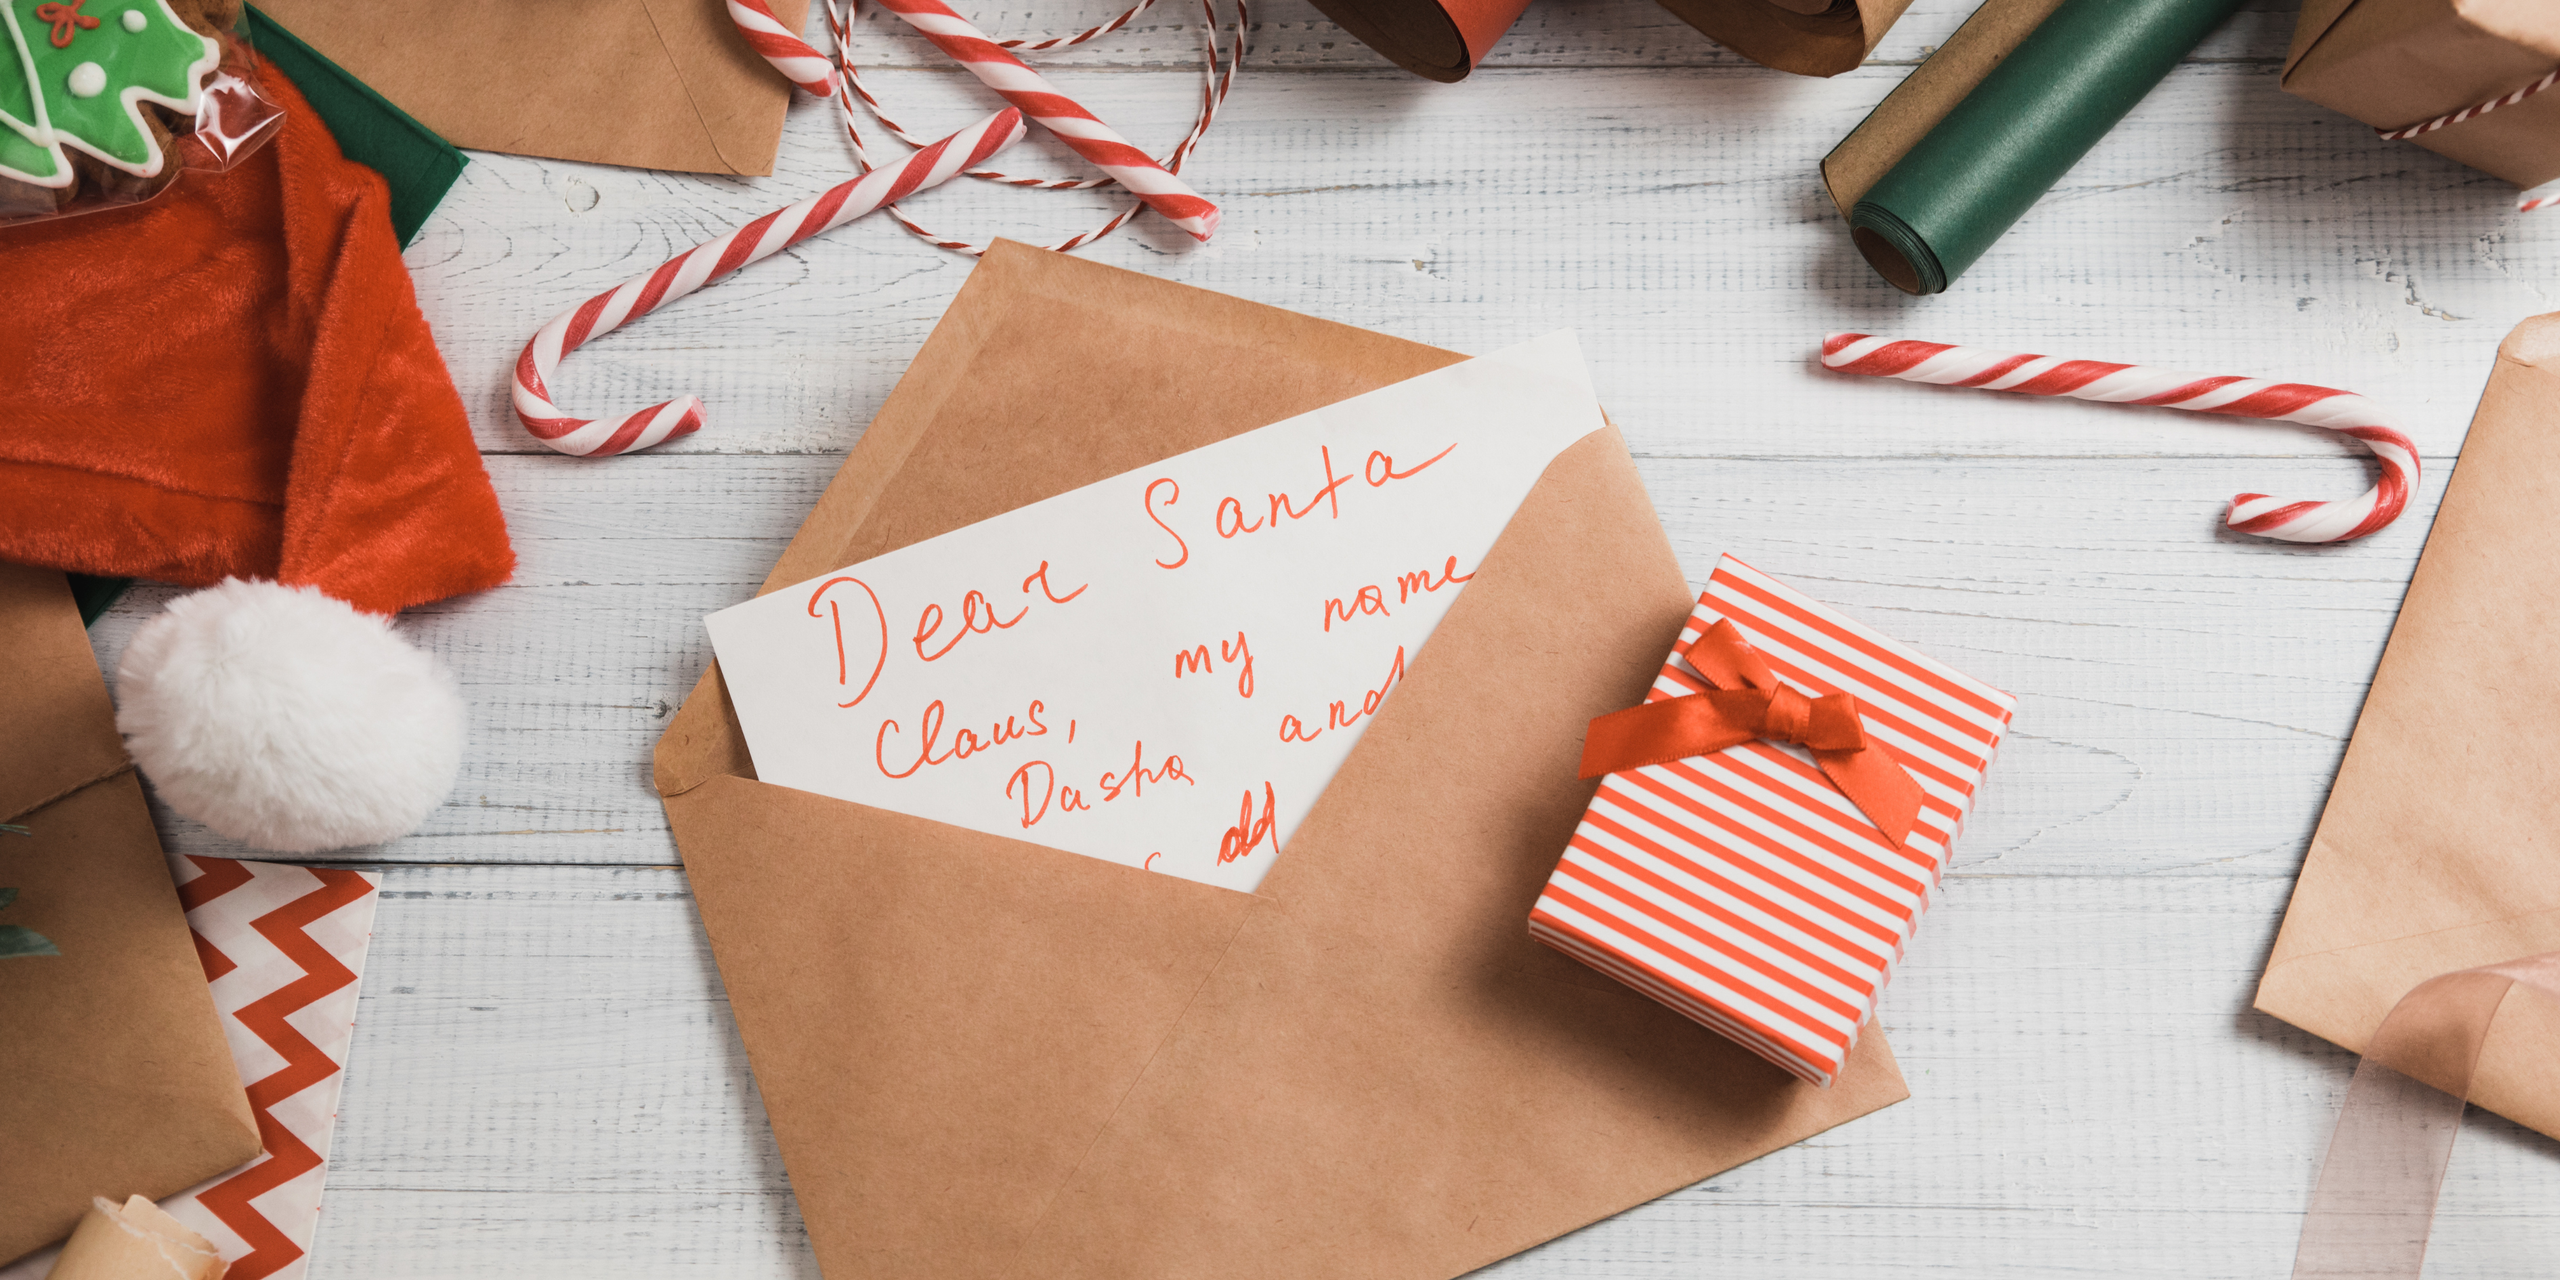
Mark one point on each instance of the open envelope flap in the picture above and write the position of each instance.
(2440, 846)
(939, 1020)
(657, 84)
(1385, 1076)
(1373, 1071)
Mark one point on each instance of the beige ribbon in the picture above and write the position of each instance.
(2376, 1198)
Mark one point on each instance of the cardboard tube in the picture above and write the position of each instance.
(2007, 142)
(1807, 37)
(135, 1240)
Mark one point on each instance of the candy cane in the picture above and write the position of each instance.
(1078, 128)
(2341, 411)
(707, 262)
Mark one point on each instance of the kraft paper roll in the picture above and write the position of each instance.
(1806, 37)
(2020, 128)
(1439, 40)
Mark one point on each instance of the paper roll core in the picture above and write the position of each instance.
(1896, 251)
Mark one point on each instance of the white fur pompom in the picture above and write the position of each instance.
(288, 720)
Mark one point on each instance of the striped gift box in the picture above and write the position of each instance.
(1741, 888)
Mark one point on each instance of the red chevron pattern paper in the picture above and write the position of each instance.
(1741, 888)
(283, 947)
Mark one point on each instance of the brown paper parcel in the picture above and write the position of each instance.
(983, 1056)
(2437, 850)
(656, 84)
(114, 1077)
(2395, 63)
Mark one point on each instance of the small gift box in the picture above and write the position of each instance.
(1773, 820)
(2466, 79)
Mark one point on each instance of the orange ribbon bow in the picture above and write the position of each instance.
(1748, 702)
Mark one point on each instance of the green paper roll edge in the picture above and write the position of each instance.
(2035, 109)
(370, 129)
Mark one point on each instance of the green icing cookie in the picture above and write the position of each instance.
(76, 72)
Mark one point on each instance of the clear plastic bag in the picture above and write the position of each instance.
(108, 103)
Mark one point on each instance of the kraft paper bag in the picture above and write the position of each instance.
(2438, 849)
(988, 1057)
(656, 84)
(114, 1077)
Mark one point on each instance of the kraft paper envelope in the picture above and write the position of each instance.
(2438, 850)
(988, 1057)
(114, 1076)
(656, 84)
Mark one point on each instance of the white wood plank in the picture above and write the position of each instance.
(1674, 218)
(545, 1081)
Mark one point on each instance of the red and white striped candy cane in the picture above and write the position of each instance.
(780, 45)
(2341, 411)
(1078, 128)
(707, 262)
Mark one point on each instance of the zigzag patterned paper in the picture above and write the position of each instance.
(284, 947)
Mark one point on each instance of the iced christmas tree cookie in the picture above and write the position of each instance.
(89, 89)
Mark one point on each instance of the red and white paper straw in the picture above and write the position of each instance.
(2292, 521)
(707, 262)
(780, 45)
(1078, 128)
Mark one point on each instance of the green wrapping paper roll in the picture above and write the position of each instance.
(2010, 140)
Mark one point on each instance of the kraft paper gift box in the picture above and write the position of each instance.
(990, 1057)
(114, 1076)
(2397, 63)
(1742, 888)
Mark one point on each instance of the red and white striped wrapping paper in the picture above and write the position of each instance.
(1741, 888)
(284, 947)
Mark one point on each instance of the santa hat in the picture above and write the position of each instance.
(232, 385)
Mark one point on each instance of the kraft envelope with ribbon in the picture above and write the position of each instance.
(990, 1056)
(1158, 671)
(2435, 852)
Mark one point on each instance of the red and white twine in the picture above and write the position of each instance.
(2344, 412)
(706, 262)
(2524, 204)
(1218, 78)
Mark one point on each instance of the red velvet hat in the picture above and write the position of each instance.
(233, 381)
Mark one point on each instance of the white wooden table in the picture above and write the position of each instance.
(546, 1078)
